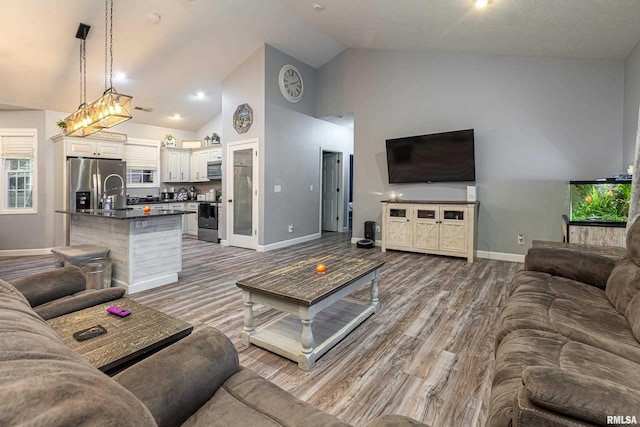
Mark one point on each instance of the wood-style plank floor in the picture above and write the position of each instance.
(427, 354)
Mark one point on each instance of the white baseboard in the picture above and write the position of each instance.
(502, 256)
(147, 284)
(291, 242)
(224, 242)
(25, 252)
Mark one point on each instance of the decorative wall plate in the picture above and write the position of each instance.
(243, 118)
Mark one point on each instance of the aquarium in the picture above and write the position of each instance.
(601, 200)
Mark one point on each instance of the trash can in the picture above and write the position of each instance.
(98, 273)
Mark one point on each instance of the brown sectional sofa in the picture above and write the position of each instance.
(195, 382)
(568, 341)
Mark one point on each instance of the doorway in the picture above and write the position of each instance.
(242, 193)
(331, 201)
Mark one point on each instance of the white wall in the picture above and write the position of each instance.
(213, 125)
(538, 122)
(631, 104)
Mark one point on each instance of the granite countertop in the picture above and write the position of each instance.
(128, 213)
(143, 201)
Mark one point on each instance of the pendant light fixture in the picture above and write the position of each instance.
(112, 107)
(79, 123)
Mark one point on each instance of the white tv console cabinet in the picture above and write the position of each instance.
(441, 228)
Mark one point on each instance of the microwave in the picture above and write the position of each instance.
(214, 169)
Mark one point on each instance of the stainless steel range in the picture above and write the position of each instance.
(208, 221)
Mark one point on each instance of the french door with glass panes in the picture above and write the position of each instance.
(242, 176)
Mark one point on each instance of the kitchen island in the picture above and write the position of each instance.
(145, 247)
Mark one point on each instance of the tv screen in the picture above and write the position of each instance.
(438, 157)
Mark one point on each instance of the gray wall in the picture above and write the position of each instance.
(244, 85)
(538, 123)
(294, 140)
(29, 231)
(631, 104)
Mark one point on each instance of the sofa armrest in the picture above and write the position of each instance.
(50, 285)
(579, 396)
(77, 301)
(394, 421)
(179, 379)
(589, 268)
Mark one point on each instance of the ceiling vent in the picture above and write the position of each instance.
(146, 110)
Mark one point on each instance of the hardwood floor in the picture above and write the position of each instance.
(428, 353)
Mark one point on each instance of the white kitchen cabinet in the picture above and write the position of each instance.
(199, 160)
(97, 149)
(192, 219)
(444, 228)
(175, 165)
(216, 154)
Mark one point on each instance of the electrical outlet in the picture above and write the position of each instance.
(291, 228)
(377, 228)
(521, 239)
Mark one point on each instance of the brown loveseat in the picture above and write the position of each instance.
(194, 382)
(567, 342)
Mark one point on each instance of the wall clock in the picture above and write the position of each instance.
(291, 84)
(243, 118)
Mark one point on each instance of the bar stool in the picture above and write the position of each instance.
(78, 254)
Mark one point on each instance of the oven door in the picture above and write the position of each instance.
(214, 169)
(208, 216)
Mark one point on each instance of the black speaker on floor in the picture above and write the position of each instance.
(370, 230)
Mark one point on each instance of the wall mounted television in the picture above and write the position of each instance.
(438, 157)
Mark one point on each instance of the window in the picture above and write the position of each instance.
(18, 148)
(142, 159)
(140, 176)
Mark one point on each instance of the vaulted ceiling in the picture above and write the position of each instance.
(197, 43)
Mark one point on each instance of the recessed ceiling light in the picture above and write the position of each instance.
(317, 7)
(482, 3)
(176, 116)
(120, 75)
(200, 95)
(154, 17)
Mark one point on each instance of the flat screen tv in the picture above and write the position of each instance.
(438, 157)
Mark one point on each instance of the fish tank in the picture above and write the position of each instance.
(599, 200)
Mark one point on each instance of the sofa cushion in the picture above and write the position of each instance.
(578, 395)
(623, 284)
(43, 382)
(594, 321)
(633, 316)
(530, 348)
(586, 267)
(559, 287)
(50, 285)
(633, 242)
(77, 301)
(247, 399)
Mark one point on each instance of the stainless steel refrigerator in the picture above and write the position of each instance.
(93, 182)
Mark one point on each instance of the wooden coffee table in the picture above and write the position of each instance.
(127, 339)
(322, 313)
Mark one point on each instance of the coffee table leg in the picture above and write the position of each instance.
(374, 291)
(307, 360)
(249, 328)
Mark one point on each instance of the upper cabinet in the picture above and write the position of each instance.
(99, 149)
(175, 165)
(143, 162)
(199, 160)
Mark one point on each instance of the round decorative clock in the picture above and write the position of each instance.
(243, 118)
(291, 84)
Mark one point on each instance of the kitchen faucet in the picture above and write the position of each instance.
(104, 185)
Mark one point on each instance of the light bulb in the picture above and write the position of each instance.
(482, 3)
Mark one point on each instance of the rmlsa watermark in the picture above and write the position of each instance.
(622, 419)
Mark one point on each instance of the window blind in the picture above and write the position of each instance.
(18, 146)
(140, 156)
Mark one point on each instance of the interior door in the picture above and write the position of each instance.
(242, 194)
(330, 190)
